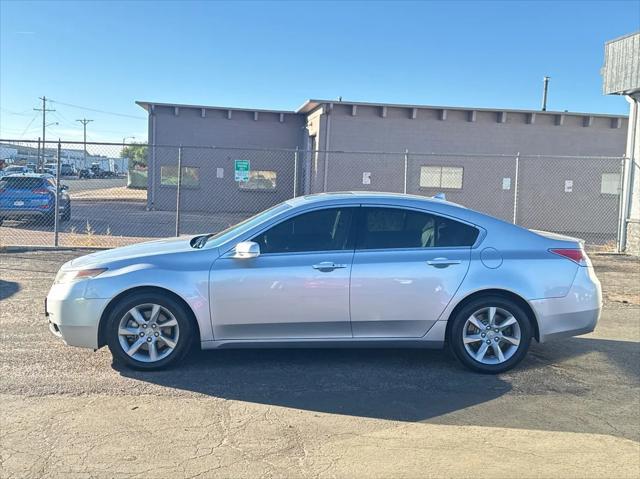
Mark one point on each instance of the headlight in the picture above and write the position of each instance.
(75, 275)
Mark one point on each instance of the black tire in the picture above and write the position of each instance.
(456, 343)
(49, 219)
(66, 214)
(177, 309)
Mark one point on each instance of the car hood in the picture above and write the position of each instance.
(133, 252)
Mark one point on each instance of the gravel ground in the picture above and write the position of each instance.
(572, 409)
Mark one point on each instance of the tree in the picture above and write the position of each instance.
(137, 154)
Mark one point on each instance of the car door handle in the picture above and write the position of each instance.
(442, 262)
(328, 266)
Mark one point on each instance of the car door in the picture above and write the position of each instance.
(407, 266)
(297, 288)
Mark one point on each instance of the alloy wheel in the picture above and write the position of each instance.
(148, 332)
(491, 335)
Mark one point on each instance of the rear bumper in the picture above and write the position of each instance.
(25, 213)
(574, 314)
(29, 212)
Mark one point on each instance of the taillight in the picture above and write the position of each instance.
(40, 191)
(576, 255)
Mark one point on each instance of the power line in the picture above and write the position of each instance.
(98, 111)
(9, 112)
(27, 127)
(63, 118)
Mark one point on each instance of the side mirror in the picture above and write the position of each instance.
(64, 187)
(247, 249)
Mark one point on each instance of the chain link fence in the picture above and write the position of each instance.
(115, 194)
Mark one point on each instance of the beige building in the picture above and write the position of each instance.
(519, 165)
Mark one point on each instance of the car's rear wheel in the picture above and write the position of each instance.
(490, 334)
(149, 331)
(66, 214)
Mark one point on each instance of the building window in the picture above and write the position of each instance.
(190, 176)
(610, 184)
(441, 177)
(263, 180)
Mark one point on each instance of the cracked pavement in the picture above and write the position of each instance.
(572, 409)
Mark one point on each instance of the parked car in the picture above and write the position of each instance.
(100, 173)
(16, 169)
(32, 195)
(347, 269)
(85, 173)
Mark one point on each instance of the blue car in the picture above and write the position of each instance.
(33, 196)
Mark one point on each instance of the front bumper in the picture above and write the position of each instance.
(72, 317)
(574, 314)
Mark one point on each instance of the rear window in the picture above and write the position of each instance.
(385, 228)
(20, 183)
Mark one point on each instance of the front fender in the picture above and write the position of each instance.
(189, 283)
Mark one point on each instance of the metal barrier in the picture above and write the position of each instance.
(110, 194)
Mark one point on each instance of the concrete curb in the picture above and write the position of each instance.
(108, 200)
(25, 249)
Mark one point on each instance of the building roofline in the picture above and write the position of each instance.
(622, 37)
(146, 104)
(312, 104)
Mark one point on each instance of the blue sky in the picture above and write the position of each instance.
(104, 56)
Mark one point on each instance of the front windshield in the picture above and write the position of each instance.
(237, 229)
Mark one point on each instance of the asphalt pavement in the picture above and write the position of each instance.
(572, 409)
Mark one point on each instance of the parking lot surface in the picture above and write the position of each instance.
(572, 409)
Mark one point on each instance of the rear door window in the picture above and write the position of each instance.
(388, 228)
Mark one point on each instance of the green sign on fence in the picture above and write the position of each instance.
(242, 170)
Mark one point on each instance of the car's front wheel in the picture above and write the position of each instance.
(149, 331)
(490, 334)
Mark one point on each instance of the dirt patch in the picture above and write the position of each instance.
(620, 277)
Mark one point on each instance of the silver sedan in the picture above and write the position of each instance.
(333, 270)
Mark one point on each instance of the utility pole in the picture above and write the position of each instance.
(84, 122)
(545, 90)
(44, 111)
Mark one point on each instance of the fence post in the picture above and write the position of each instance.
(515, 190)
(406, 169)
(178, 190)
(295, 173)
(326, 172)
(56, 215)
(626, 170)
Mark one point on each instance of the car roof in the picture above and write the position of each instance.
(368, 196)
(435, 205)
(27, 175)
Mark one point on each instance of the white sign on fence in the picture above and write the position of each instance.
(568, 186)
